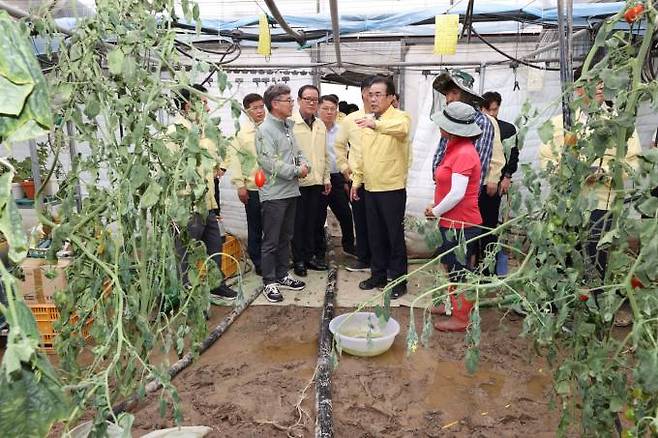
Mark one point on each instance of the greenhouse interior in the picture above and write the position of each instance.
(249, 218)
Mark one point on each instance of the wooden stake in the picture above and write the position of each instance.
(187, 360)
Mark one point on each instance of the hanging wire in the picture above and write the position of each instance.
(510, 57)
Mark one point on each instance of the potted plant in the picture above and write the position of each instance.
(23, 174)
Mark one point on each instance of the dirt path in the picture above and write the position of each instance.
(252, 379)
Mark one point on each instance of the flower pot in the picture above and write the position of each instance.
(16, 191)
(28, 188)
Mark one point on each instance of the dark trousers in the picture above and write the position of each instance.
(205, 229)
(363, 252)
(456, 267)
(306, 223)
(489, 210)
(254, 227)
(597, 257)
(278, 226)
(385, 215)
(339, 202)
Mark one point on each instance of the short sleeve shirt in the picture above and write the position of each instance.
(462, 158)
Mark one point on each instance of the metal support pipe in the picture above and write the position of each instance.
(73, 153)
(333, 6)
(565, 55)
(36, 170)
(552, 45)
(315, 58)
(483, 70)
(271, 66)
(570, 40)
(401, 77)
(298, 36)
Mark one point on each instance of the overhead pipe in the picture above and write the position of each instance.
(333, 6)
(552, 45)
(298, 36)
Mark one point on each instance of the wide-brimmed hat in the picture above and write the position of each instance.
(458, 118)
(462, 80)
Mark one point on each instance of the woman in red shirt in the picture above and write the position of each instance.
(457, 180)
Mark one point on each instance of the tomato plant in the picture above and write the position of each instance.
(596, 373)
(112, 81)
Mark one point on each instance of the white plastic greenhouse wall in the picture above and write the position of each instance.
(418, 100)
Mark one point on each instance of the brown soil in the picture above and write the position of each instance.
(248, 383)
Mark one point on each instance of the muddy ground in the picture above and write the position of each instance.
(248, 383)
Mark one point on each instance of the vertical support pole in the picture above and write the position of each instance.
(36, 171)
(402, 72)
(483, 70)
(566, 72)
(315, 58)
(73, 152)
(570, 38)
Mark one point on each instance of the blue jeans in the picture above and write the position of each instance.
(457, 269)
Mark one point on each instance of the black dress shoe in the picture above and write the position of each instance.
(398, 291)
(372, 283)
(300, 269)
(317, 264)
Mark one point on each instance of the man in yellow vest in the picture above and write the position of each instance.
(243, 167)
(381, 167)
(350, 135)
(311, 137)
(599, 183)
(203, 225)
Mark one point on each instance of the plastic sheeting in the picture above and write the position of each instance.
(394, 21)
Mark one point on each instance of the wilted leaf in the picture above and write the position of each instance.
(11, 222)
(31, 404)
(151, 196)
(13, 96)
(545, 131)
(115, 61)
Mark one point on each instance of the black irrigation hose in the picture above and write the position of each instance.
(324, 424)
(510, 57)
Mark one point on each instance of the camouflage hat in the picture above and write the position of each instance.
(462, 80)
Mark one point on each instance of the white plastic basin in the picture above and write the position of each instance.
(359, 333)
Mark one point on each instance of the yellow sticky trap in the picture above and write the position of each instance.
(264, 38)
(446, 32)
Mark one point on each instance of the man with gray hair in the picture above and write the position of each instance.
(283, 164)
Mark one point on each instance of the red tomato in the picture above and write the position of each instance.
(636, 283)
(583, 297)
(631, 15)
(639, 9)
(259, 178)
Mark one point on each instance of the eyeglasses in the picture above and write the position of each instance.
(377, 95)
(288, 100)
(310, 99)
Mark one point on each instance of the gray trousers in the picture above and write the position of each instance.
(206, 230)
(278, 227)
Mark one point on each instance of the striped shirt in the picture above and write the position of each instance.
(484, 146)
